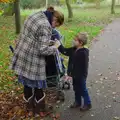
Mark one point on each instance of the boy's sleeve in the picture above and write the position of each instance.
(43, 41)
(65, 51)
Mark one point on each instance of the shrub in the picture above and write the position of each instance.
(32, 3)
(35, 3)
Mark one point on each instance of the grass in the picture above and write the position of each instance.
(85, 20)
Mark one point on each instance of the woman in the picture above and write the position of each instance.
(28, 61)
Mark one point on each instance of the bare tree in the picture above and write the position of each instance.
(70, 12)
(113, 7)
(57, 2)
(118, 2)
(17, 15)
(46, 3)
(98, 4)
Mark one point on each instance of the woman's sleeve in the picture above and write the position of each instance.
(44, 37)
(65, 51)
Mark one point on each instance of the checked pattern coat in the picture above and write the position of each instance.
(32, 47)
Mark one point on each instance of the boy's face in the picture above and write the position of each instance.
(77, 42)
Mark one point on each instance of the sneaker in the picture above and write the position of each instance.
(86, 108)
(75, 105)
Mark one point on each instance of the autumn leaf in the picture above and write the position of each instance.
(6, 1)
(57, 115)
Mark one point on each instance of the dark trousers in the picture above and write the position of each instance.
(81, 91)
(35, 92)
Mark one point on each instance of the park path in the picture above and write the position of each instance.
(103, 80)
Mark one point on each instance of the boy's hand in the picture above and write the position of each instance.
(57, 44)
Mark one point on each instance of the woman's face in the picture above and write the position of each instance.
(55, 22)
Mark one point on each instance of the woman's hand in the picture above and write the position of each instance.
(51, 43)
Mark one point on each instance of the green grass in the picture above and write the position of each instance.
(85, 20)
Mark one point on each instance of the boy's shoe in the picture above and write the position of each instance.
(75, 105)
(86, 108)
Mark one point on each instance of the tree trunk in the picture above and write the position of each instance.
(46, 3)
(113, 7)
(17, 16)
(118, 2)
(58, 2)
(70, 12)
(97, 4)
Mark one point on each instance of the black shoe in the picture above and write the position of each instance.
(86, 108)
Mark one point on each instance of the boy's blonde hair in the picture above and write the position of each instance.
(83, 37)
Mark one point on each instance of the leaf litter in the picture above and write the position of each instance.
(12, 106)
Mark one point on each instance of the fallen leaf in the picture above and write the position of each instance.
(109, 68)
(57, 106)
(98, 93)
(105, 96)
(52, 115)
(92, 115)
(114, 97)
(118, 78)
(101, 79)
(111, 72)
(58, 102)
(105, 78)
(96, 81)
(114, 93)
(109, 106)
(117, 74)
(42, 114)
(117, 118)
(106, 107)
(101, 83)
(100, 74)
(57, 115)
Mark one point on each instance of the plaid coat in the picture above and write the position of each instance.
(32, 47)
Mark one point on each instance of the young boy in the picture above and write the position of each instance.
(78, 69)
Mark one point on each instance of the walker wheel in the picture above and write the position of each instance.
(66, 86)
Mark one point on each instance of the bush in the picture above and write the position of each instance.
(2, 6)
(35, 3)
(6, 9)
(32, 3)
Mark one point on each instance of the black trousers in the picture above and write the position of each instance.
(35, 92)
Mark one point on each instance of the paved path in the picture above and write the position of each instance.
(103, 80)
